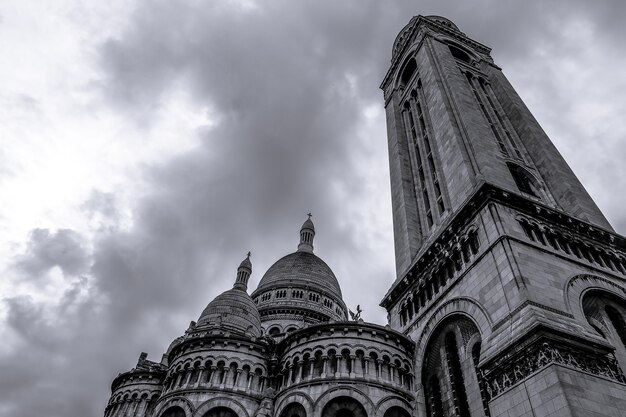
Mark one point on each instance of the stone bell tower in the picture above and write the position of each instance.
(509, 277)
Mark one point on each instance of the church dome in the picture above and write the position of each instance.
(303, 268)
(299, 288)
(234, 310)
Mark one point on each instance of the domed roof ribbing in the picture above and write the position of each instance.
(301, 268)
(234, 310)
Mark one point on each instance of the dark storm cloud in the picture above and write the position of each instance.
(287, 83)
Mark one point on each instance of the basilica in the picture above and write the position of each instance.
(510, 297)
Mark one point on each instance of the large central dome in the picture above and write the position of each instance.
(301, 269)
(299, 289)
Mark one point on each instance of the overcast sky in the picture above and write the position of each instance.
(146, 146)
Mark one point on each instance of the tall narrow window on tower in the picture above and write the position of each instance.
(473, 84)
(500, 126)
(425, 164)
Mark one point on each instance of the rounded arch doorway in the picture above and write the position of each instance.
(344, 407)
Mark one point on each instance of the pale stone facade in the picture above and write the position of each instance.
(286, 350)
(511, 291)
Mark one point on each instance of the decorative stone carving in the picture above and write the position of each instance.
(509, 371)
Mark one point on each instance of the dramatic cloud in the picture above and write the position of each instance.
(64, 249)
(150, 145)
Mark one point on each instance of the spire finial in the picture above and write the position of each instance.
(307, 233)
(243, 273)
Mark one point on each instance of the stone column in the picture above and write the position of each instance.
(124, 407)
(302, 373)
(298, 372)
(213, 381)
(188, 377)
(325, 359)
(353, 360)
(249, 377)
(379, 368)
(392, 369)
(312, 367)
(176, 380)
(118, 408)
(237, 378)
(229, 377)
(141, 408)
(338, 370)
(367, 367)
(242, 381)
(201, 371)
(289, 375)
(134, 406)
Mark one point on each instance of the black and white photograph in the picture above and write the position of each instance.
(312, 208)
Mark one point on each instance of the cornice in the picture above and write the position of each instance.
(485, 193)
(343, 327)
(154, 377)
(211, 340)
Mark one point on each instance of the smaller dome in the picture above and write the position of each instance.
(234, 310)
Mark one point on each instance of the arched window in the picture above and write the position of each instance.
(407, 72)
(434, 405)
(459, 54)
(344, 407)
(293, 410)
(174, 412)
(446, 385)
(524, 181)
(605, 311)
(456, 376)
(274, 331)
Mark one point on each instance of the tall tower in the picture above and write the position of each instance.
(509, 278)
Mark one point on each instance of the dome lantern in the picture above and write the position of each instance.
(307, 233)
(243, 274)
